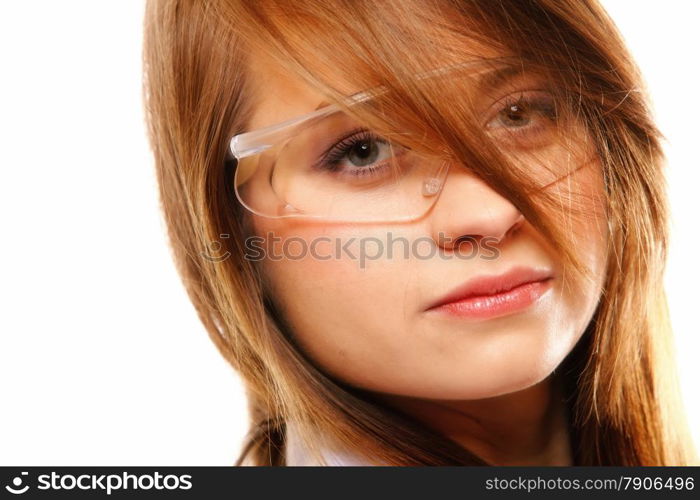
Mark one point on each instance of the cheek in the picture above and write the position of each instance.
(584, 217)
(340, 293)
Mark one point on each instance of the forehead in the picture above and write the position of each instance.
(278, 94)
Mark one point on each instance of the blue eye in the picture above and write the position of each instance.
(364, 152)
(358, 154)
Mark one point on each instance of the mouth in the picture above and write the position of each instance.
(486, 297)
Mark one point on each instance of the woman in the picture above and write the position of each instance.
(424, 233)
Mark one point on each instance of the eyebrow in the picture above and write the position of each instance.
(498, 76)
(492, 78)
(322, 104)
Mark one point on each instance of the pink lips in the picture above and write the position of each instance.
(487, 297)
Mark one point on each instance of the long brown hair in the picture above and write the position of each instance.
(620, 381)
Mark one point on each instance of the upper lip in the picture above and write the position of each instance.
(485, 285)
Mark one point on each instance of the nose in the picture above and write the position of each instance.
(469, 209)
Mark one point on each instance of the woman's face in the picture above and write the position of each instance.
(428, 324)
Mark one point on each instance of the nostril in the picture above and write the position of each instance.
(467, 239)
(516, 226)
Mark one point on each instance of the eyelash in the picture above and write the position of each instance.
(331, 158)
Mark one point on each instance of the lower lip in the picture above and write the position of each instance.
(500, 304)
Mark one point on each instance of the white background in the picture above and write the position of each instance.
(102, 358)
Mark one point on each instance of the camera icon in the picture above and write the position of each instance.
(16, 488)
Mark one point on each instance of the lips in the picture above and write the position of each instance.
(486, 297)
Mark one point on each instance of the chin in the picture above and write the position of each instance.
(470, 385)
(494, 376)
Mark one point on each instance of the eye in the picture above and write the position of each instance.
(515, 115)
(524, 119)
(358, 153)
(365, 152)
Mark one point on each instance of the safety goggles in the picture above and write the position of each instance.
(326, 165)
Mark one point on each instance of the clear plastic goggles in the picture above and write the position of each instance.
(325, 165)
